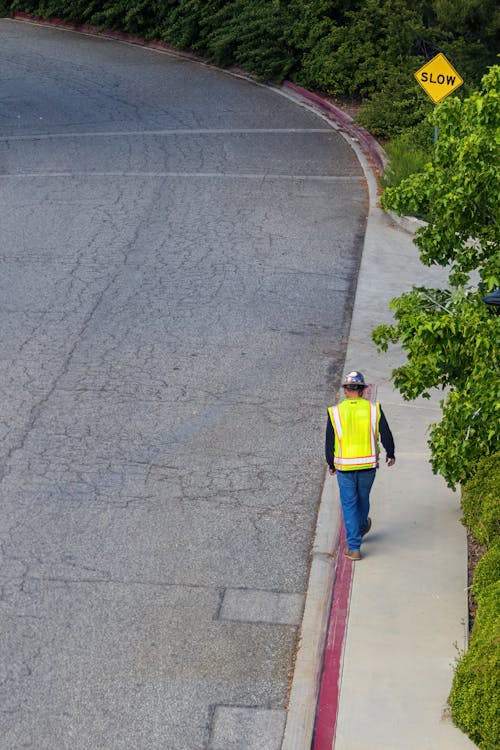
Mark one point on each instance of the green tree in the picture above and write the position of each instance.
(450, 336)
(467, 31)
(374, 38)
(248, 34)
(458, 193)
(451, 341)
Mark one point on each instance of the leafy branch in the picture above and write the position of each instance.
(450, 336)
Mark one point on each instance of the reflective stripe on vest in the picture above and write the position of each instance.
(355, 423)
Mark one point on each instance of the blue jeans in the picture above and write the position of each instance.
(355, 489)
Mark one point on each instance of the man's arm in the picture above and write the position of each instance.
(330, 444)
(386, 438)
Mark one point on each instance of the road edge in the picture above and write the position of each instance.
(306, 681)
(307, 676)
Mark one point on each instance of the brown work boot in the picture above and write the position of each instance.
(352, 554)
(367, 527)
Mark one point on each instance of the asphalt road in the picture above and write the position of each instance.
(178, 259)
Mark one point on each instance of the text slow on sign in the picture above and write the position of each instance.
(438, 78)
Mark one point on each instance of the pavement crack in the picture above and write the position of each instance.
(37, 408)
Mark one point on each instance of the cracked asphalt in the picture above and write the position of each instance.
(178, 259)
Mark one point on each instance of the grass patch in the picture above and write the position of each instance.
(408, 154)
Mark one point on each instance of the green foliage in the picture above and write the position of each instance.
(477, 679)
(459, 192)
(475, 694)
(77, 11)
(471, 58)
(399, 105)
(140, 17)
(307, 32)
(249, 34)
(451, 339)
(481, 500)
(408, 154)
(450, 336)
(465, 16)
(467, 31)
(376, 39)
(487, 571)
(180, 23)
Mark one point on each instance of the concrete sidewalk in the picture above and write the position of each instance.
(407, 619)
(408, 611)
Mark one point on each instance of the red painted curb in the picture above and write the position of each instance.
(356, 132)
(328, 703)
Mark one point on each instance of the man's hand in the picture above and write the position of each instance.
(331, 472)
(390, 461)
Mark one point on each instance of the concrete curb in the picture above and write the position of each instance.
(327, 712)
(301, 714)
(409, 223)
(306, 681)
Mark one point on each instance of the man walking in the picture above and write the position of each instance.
(352, 452)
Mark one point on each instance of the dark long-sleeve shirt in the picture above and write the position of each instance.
(385, 437)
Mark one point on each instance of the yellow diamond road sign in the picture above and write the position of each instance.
(438, 78)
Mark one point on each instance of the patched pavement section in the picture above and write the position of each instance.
(237, 727)
(262, 606)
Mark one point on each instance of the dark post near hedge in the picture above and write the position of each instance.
(493, 298)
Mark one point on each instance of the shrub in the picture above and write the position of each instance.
(487, 571)
(399, 103)
(249, 34)
(375, 40)
(77, 11)
(475, 694)
(481, 501)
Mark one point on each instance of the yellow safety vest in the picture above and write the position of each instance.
(355, 422)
